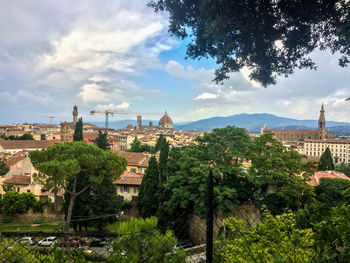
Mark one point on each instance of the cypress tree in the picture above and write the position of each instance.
(148, 189)
(78, 132)
(135, 146)
(102, 141)
(326, 161)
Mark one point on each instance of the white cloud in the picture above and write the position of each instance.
(111, 106)
(92, 93)
(206, 95)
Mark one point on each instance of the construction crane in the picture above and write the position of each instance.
(50, 117)
(112, 112)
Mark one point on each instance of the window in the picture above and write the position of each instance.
(124, 188)
(28, 191)
(136, 189)
(133, 170)
(18, 189)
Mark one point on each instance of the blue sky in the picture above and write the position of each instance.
(118, 55)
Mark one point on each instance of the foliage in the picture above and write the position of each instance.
(326, 161)
(343, 168)
(3, 168)
(329, 191)
(332, 237)
(274, 239)
(188, 169)
(16, 203)
(102, 140)
(135, 145)
(26, 136)
(148, 200)
(140, 236)
(78, 131)
(8, 187)
(58, 164)
(268, 37)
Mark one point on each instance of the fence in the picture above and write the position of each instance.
(244, 236)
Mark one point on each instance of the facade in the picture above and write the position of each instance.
(340, 149)
(137, 162)
(128, 185)
(285, 135)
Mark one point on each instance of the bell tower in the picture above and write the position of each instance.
(75, 114)
(322, 124)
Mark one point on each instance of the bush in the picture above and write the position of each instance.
(16, 203)
(274, 239)
(38, 221)
(6, 220)
(329, 191)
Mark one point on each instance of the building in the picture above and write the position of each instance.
(137, 162)
(340, 149)
(15, 146)
(128, 185)
(165, 124)
(286, 135)
(315, 179)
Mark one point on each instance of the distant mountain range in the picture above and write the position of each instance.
(251, 122)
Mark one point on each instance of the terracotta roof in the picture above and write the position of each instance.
(139, 159)
(13, 160)
(17, 179)
(129, 178)
(315, 179)
(26, 144)
(290, 131)
(165, 120)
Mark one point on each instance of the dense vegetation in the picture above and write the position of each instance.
(26, 136)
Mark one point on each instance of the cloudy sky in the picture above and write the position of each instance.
(113, 54)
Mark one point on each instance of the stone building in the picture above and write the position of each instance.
(165, 124)
(285, 135)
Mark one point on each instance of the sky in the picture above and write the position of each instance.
(118, 55)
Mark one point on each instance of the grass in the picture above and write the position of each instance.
(24, 227)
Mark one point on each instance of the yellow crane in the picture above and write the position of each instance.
(112, 112)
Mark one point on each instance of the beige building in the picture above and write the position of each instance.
(15, 146)
(137, 162)
(340, 149)
(128, 185)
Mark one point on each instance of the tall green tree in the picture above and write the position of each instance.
(270, 38)
(343, 168)
(326, 161)
(148, 200)
(60, 163)
(135, 145)
(102, 140)
(78, 132)
(3, 168)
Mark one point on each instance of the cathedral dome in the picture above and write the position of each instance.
(165, 121)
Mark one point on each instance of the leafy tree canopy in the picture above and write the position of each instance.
(326, 161)
(16, 203)
(135, 145)
(330, 191)
(3, 168)
(26, 136)
(343, 168)
(270, 38)
(102, 140)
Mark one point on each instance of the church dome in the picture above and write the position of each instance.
(165, 121)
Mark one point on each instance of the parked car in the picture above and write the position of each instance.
(98, 242)
(73, 242)
(183, 243)
(47, 242)
(27, 240)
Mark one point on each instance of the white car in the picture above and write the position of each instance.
(47, 242)
(27, 240)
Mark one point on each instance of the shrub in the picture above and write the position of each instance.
(16, 203)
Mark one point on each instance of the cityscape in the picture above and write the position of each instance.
(175, 131)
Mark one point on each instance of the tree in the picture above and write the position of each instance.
(135, 145)
(3, 168)
(330, 191)
(78, 132)
(343, 168)
(326, 161)
(102, 140)
(149, 188)
(268, 37)
(274, 239)
(8, 187)
(16, 203)
(60, 163)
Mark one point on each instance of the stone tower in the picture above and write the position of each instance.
(322, 124)
(139, 122)
(75, 114)
(65, 131)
